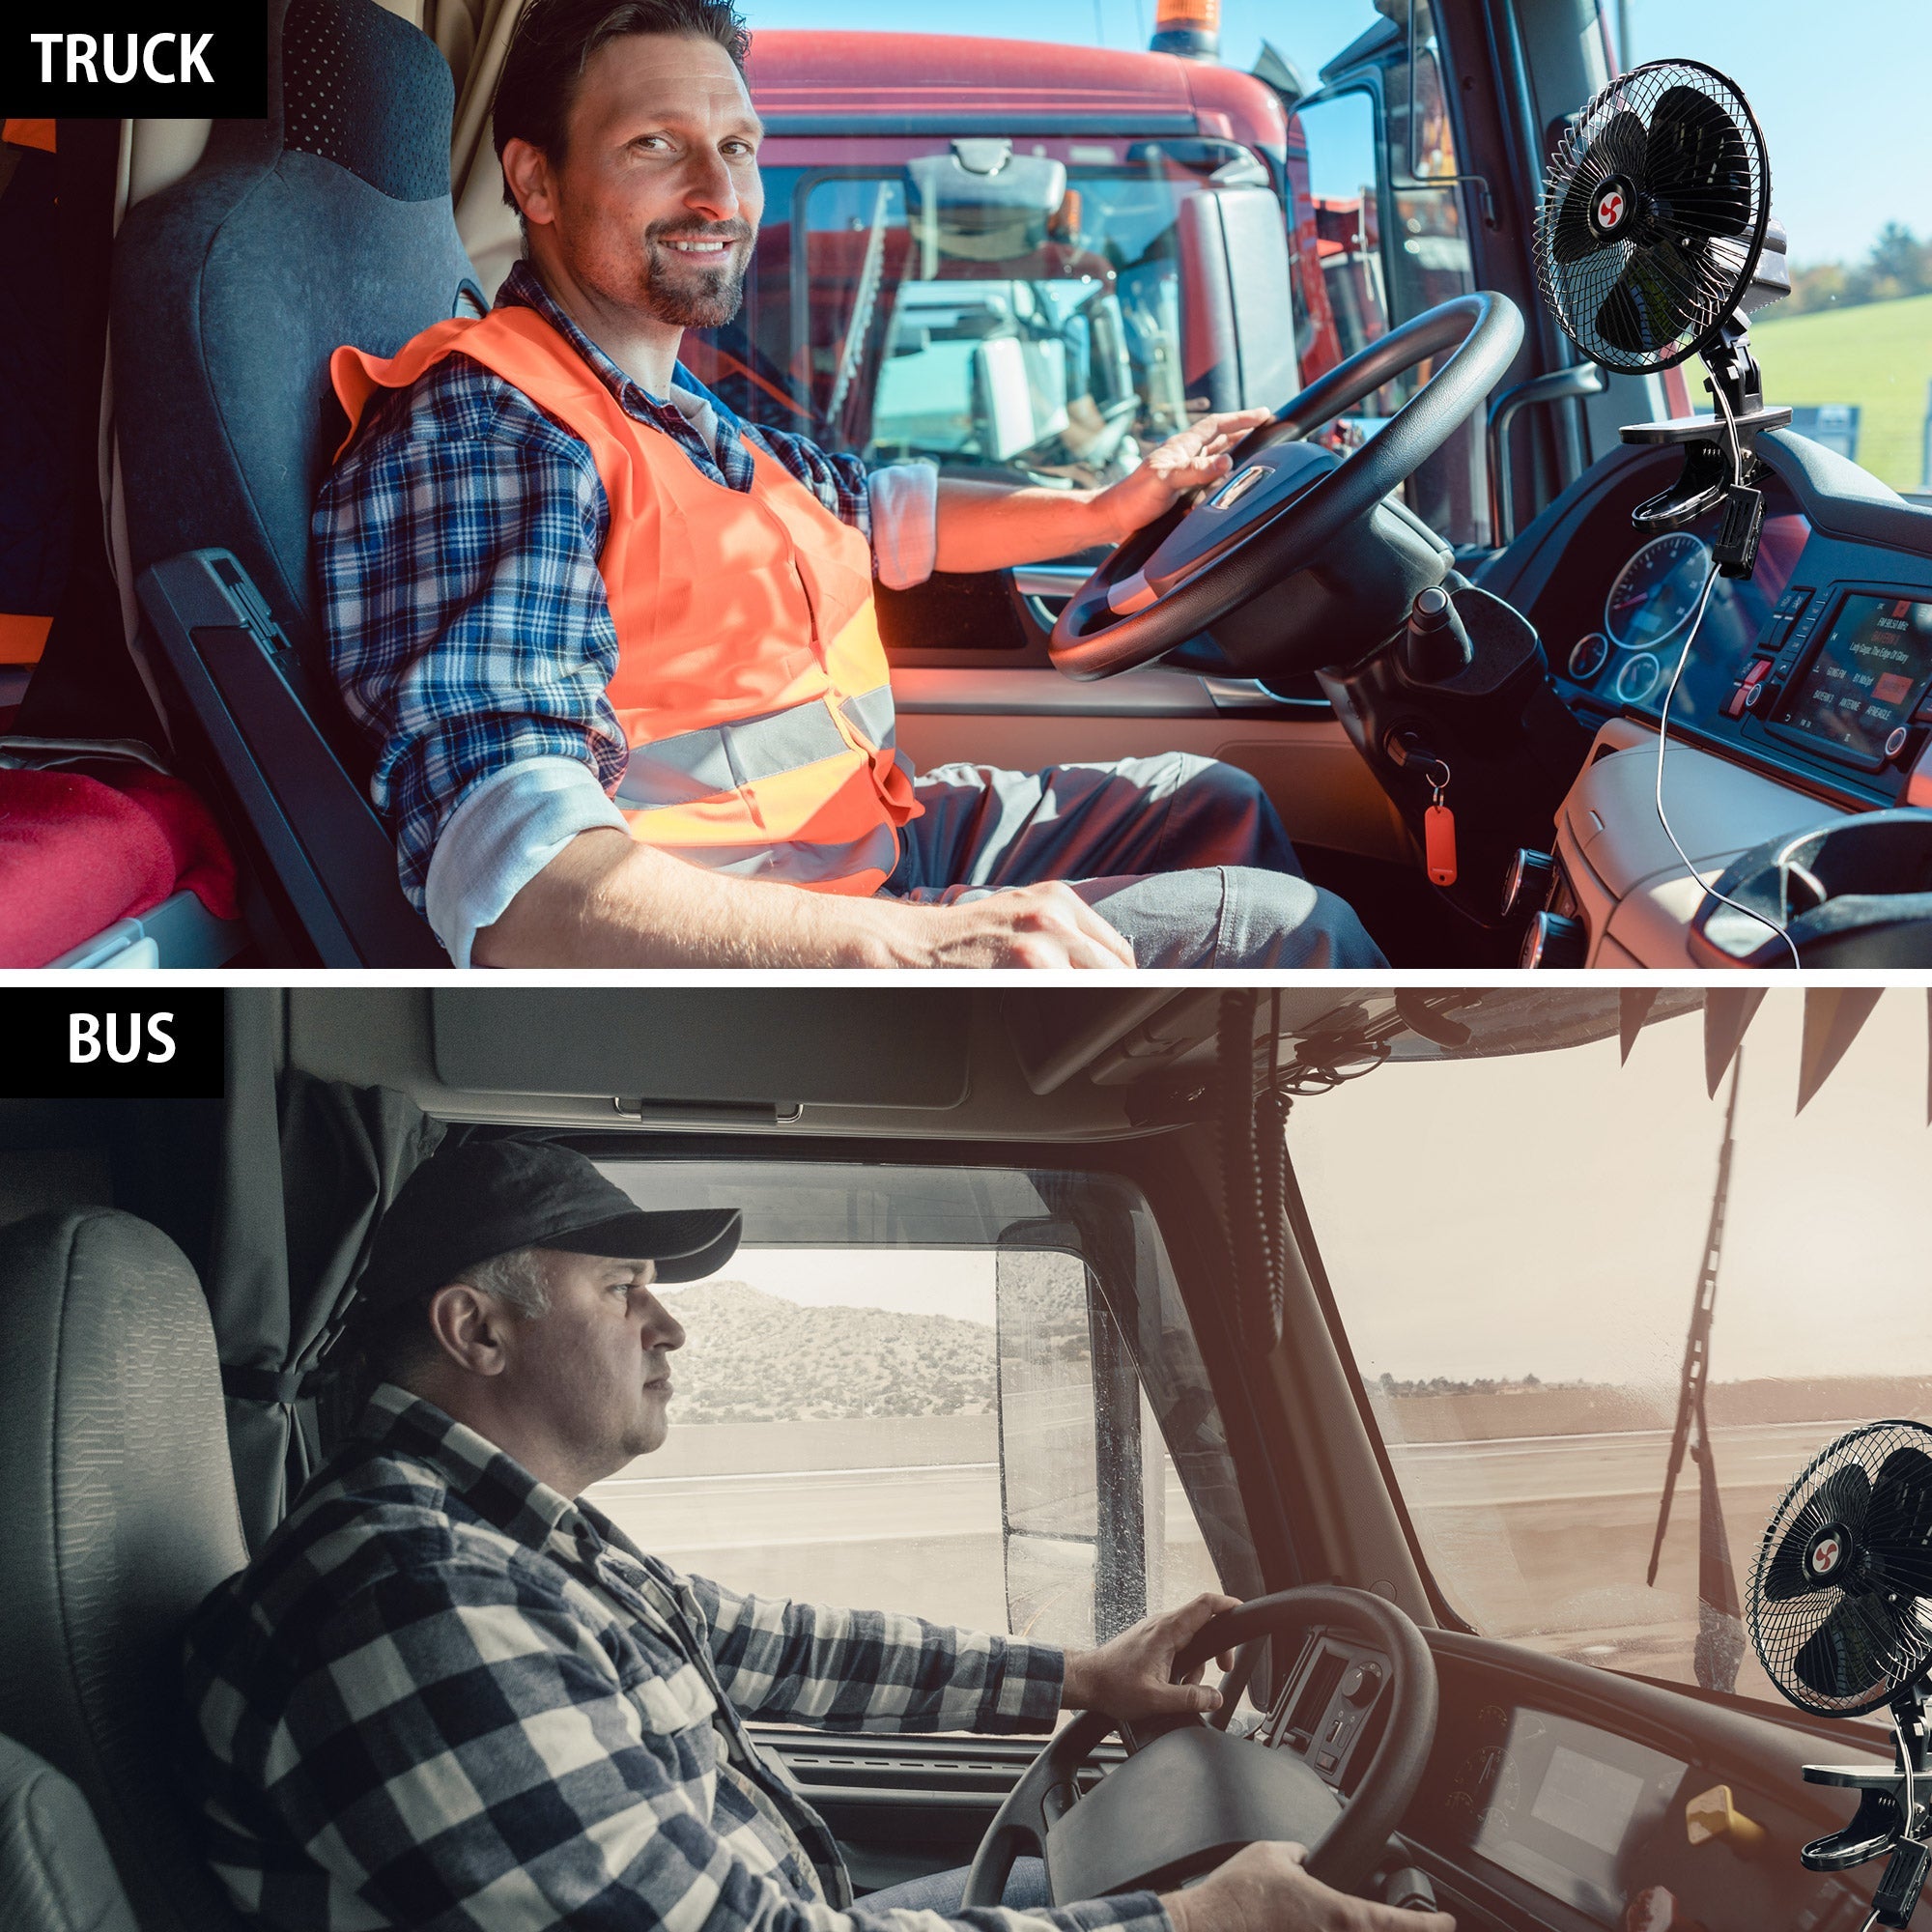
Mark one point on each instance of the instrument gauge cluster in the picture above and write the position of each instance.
(1655, 593)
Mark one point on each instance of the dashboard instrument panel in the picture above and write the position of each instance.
(1566, 1807)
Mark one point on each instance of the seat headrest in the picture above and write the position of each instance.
(368, 92)
(120, 1517)
(329, 221)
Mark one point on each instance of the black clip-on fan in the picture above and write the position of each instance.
(1838, 1612)
(1653, 242)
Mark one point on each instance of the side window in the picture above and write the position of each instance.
(1093, 1540)
(1381, 234)
(962, 1434)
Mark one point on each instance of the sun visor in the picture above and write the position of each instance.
(781, 1047)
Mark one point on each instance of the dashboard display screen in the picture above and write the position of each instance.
(1570, 1807)
(1867, 677)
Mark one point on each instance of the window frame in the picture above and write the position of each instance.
(1178, 1207)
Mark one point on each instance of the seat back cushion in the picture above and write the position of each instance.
(120, 1517)
(55, 1874)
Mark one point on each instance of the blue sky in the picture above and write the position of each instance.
(1842, 88)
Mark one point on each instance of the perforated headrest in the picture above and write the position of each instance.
(366, 91)
(121, 1516)
(327, 222)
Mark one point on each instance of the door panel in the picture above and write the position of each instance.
(1023, 720)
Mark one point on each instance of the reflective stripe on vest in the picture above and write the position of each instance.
(750, 683)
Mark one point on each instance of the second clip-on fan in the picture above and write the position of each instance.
(1841, 1614)
(1653, 244)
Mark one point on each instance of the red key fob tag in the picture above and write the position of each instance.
(1438, 844)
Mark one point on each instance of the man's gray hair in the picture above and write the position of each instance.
(517, 1277)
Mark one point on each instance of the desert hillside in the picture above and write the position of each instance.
(754, 1357)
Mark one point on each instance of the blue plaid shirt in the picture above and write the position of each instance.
(445, 1696)
(455, 548)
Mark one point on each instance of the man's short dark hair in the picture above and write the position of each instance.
(553, 45)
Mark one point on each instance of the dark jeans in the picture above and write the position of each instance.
(941, 1891)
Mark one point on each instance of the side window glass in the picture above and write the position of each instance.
(1083, 1479)
(1341, 288)
(992, 1435)
(1380, 235)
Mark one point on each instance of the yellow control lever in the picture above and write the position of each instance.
(1710, 1814)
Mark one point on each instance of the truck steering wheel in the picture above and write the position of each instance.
(1192, 1795)
(1285, 499)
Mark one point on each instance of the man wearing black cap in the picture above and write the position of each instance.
(448, 1693)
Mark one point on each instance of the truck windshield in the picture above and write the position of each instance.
(1520, 1323)
(1036, 314)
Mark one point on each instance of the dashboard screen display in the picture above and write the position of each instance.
(1570, 1808)
(1867, 677)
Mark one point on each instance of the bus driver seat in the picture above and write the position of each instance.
(121, 1516)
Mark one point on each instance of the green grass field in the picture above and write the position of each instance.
(1879, 357)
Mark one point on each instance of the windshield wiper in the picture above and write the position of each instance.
(1720, 1630)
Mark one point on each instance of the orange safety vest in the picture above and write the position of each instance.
(750, 683)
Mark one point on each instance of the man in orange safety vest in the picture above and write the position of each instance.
(618, 650)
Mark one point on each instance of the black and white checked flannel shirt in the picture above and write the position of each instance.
(443, 1697)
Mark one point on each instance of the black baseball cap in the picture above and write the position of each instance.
(469, 1203)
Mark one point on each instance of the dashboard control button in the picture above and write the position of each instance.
(1895, 741)
(1527, 881)
(1554, 942)
(1325, 1760)
(1744, 693)
(1792, 602)
(1656, 1909)
(1361, 1684)
(1712, 1815)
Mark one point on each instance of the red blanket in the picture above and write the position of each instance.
(76, 854)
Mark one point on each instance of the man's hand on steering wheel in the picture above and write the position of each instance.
(1194, 459)
(1264, 1888)
(1131, 1676)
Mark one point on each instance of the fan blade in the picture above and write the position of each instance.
(1572, 238)
(1898, 1530)
(1647, 306)
(1618, 149)
(1844, 1497)
(1696, 164)
(1850, 1653)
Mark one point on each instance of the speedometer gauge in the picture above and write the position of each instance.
(1657, 591)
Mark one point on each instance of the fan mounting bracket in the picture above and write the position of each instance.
(1711, 465)
(1895, 1811)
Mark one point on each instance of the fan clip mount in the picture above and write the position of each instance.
(1894, 1814)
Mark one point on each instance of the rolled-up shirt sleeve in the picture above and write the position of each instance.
(508, 828)
(904, 500)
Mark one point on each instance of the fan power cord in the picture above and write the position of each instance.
(1676, 676)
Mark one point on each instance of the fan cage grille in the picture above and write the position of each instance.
(1577, 291)
(1781, 1629)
